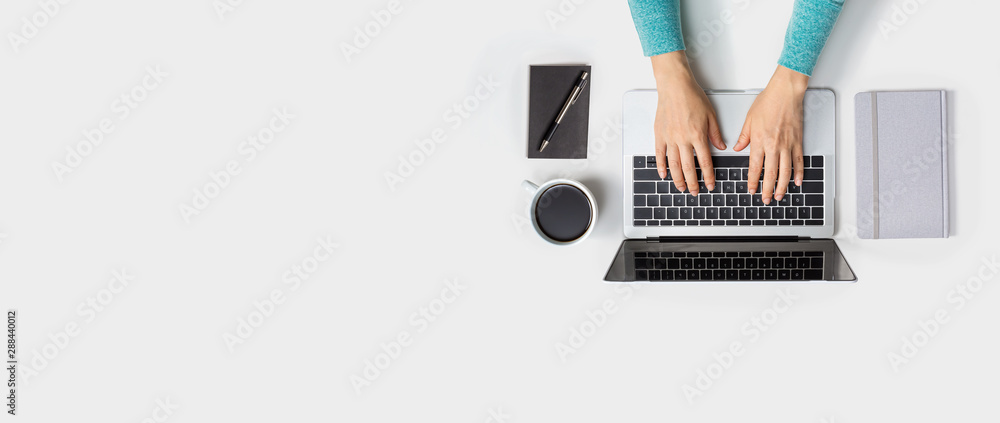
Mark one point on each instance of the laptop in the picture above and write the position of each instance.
(726, 234)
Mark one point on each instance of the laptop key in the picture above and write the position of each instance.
(679, 200)
(806, 160)
(712, 213)
(639, 200)
(643, 263)
(745, 200)
(641, 275)
(726, 213)
(721, 175)
(645, 175)
(639, 162)
(814, 222)
(667, 275)
(691, 200)
(812, 187)
(791, 213)
(812, 175)
(817, 161)
(729, 187)
(699, 213)
(732, 200)
(744, 275)
(741, 188)
(654, 275)
(673, 213)
(706, 275)
(764, 212)
(642, 213)
(663, 187)
(638, 223)
(644, 187)
(817, 212)
(719, 275)
(659, 213)
(804, 213)
(798, 200)
(731, 161)
(734, 175)
(686, 213)
(813, 275)
(784, 274)
(814, 199)
(674, 263)
(705, 200)
(738, 213)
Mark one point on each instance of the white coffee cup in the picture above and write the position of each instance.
(539, 195)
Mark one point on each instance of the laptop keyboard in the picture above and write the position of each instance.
(729, 266)
(657, 202)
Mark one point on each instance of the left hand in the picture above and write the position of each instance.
(773, 130)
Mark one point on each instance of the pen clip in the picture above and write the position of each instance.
(578, 93)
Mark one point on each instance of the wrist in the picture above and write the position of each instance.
(671, 69)
(789, 81)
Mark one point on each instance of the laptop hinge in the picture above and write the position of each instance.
(673, 239)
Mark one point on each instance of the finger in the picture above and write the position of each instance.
(661, 162)
(705, 161)
(714, 133)
(688, 167)
(744, 139)
(784, 175)
(674, 161)
(798, 164)
(772, 159)
(756, 165)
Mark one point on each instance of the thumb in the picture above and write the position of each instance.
(744, 140)
(714, 134)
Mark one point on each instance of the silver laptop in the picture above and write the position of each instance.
(726, 234)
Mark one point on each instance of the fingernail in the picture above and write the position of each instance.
(663, 175)
(778, 197)
(711, 187)
(798, 182)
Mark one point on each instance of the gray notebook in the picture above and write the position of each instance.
(902, 164)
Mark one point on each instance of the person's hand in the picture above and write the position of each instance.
(685, 122)
(773, 130)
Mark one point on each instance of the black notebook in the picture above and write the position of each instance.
(549, 87)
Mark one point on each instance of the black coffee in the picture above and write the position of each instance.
(563, 213)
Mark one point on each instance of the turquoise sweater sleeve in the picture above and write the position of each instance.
(658, 23)
(811, 24)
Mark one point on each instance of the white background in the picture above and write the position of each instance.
(459, 216)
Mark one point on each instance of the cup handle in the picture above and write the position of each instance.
(529, 186)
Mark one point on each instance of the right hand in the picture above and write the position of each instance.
(685, 124)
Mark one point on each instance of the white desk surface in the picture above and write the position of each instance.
(455, 218)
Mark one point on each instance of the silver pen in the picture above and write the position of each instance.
(575, 95)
